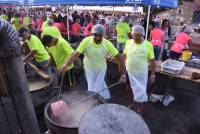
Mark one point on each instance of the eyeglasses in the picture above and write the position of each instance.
(98, 35)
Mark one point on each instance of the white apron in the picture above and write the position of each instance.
(95, 68)
(137, 68)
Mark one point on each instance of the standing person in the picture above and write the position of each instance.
(138, 53)
(82, 18)
(166, 28)
(103, 22)
(123, 33)
(76, 30)
(90, 25)
(60, 26)
(51, 30)
(95, 48)
(37, 50)
(60, 51)
(157, 39)
(182, 39)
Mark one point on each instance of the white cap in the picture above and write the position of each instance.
(99, 29)
(138, 29)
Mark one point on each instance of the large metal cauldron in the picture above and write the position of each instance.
(112, 119)
(77, 111)
(41, 92)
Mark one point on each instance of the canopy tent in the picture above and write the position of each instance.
(14, 2)
(162, 3)
(125, 9)
(76, 2)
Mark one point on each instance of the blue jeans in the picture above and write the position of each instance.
(157, 50)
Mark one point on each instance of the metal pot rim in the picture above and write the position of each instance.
(52, 100)
(50, 81)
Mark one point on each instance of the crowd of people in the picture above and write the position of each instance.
(45, 33)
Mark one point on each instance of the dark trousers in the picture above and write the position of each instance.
(174, 55)
(157, 50)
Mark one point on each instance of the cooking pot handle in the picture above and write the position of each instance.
(86, 98)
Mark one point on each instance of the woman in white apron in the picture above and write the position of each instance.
(95, 48)
(138, 54)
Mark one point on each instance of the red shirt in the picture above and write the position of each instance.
(76, 28)
(61, 28)
(156, 37)
(180, 42)
(88, 29)
(57, 25)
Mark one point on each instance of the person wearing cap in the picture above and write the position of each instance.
(182, 39)
(157, 40)
(95, 48)
(60, 50)
(123, 33)
(139, 53)
(51, 30)
(37, 50)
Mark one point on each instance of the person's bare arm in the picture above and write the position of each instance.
(50, 62)
(121, 59)
(30, 55)
(150, 37)
(71, 59)
(153, 70)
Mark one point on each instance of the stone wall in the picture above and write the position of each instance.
(187, 9)
(197, 2)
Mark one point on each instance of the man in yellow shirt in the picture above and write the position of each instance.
(37, 50)
(139, 53)
(123, 33)
(51, 30)
(60, 51)
(95, 48)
